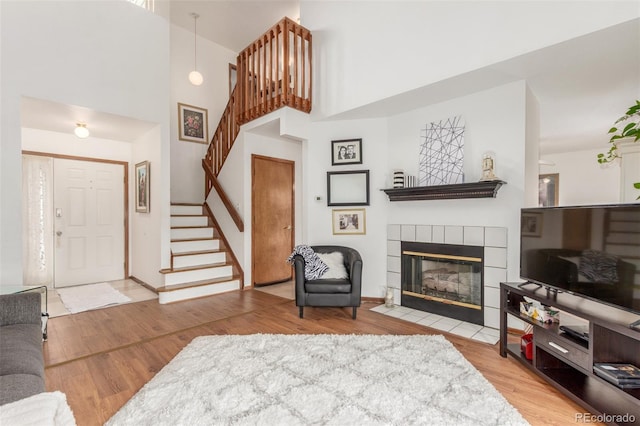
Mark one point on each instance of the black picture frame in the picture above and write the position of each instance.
(348, 188)
(346, 151)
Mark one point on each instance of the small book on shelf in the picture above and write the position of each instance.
(621, 374)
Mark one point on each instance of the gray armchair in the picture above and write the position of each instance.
(330, 292)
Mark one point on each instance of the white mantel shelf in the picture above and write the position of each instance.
(482, 189)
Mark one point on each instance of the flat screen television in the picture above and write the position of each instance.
(591, 251)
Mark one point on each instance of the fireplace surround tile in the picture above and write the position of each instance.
(495, 256)
(394, 264)
(393, 232)
(453, 235)
(493, 239)
(473, 236)
(423, 233)
(437, 234)
(393, 248)
(494, 276)
(394, 281)
(408, 233)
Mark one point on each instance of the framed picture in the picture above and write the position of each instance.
(142, 187)
(192, 122)
(348, 188)
(346, 151)
(531, 225)
(349, 222)
(548, 188)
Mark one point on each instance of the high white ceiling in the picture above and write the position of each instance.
(232, 24)
(581, 85)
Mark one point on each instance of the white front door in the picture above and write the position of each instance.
(89, 222)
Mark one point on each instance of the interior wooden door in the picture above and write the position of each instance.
(272, 219)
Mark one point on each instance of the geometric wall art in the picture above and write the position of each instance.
(442, 153)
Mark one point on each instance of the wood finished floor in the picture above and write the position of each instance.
(101, 358)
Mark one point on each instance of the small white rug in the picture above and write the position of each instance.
(272, 379)
(86, 297)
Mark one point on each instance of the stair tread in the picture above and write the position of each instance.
(194, 252)
(196, 268)
(198, 283)
(195, 239)
(192, 227)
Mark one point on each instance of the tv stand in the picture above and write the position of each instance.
(567, 364)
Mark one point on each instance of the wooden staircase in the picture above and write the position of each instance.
(273, 72)
(200, 262)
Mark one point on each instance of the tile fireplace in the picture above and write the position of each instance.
(460, 275)
(444, 279)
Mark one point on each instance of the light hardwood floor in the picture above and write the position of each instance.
(101, 358)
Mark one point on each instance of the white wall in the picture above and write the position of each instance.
(107, 56)
(187, 176)
(68, 144)
(495, 121)
(365, 51)
(317, 162)
(582, 180)
(274, 135)
(150, 231)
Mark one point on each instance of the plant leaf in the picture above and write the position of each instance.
(613, 130)
(628, 127)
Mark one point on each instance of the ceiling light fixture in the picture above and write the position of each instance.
(81, 130)
(194, 76)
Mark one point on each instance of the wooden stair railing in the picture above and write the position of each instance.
(273, 72)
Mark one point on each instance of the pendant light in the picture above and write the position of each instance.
(194, 76)
(81, 130)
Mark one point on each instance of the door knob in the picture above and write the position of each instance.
(59, 233)
(287, 227)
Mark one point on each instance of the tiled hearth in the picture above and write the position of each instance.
(438, 322)
(494, 241)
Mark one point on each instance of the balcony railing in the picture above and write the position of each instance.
(273, 72)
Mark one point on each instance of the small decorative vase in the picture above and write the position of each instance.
(398, 179)
(388, 299)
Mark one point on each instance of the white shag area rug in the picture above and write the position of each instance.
(267, 379)
(86, 297)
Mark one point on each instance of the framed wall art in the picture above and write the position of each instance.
(348, 188)
(531, 225)
(349, 222)
(346, 151)
(142, 187)
(192, 122)
(548, 190)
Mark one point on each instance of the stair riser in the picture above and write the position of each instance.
(186, 246)
(199, 291)
(198, 259)
(183, 277)
(623, 238)
(189, 233)
(625, 227)
(621, 250)
(189, 221)
(190, 210)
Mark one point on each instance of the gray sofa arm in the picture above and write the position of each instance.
(21, 308)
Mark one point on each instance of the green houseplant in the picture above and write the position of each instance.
(631, 130)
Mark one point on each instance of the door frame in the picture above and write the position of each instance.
(293, 205)
(125, 192)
